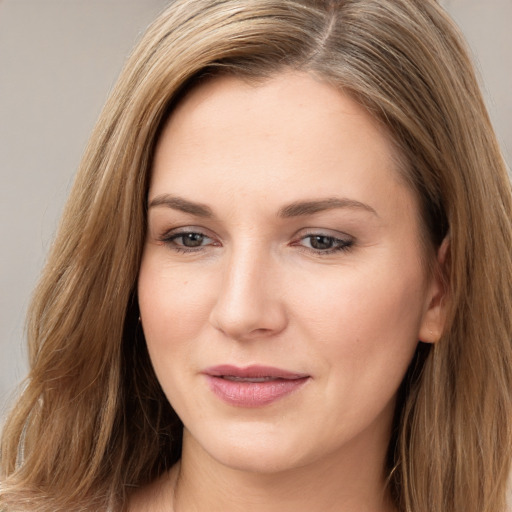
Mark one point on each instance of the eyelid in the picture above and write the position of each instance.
(344, 241)
(187, 229)
(169, 236)
(305, 232)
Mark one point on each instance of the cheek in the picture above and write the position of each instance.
(174, 305)
(366, 322)
(363, 331)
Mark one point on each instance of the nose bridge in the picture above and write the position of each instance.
(248, 303)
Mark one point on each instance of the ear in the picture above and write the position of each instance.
(436, 301)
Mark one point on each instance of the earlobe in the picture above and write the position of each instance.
(434, 317)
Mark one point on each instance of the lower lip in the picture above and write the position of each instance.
(253, 394)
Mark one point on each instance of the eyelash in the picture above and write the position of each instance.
(340, 245)
(169, 239)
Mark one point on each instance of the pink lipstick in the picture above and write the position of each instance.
(252, 386)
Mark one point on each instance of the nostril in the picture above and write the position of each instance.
(266, 319)
(247, 305)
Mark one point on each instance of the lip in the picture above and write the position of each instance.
(252, 386)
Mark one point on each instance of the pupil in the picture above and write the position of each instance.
(321, 242)
(192, 239)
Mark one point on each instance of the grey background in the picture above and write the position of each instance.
(58, 61)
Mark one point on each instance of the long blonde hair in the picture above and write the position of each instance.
(93, 423)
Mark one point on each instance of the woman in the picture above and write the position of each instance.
(279, 200)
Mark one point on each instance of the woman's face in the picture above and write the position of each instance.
(282, 291)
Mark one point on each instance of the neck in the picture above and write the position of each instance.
(350, 481)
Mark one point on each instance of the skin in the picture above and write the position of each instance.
(260, 289)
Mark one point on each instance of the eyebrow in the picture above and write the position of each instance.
(295, 209)
(182, 205)
(300, 208)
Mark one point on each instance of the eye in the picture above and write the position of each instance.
(187, 241)
(320, 243)
(190, 239)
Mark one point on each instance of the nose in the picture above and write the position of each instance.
(249, 303)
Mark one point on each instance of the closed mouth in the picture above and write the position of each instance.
(254, 373)
(252, 386)
(250, 379)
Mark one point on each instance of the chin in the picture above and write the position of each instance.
(253, 448)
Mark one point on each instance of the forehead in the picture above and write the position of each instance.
(287, 136)
(289, 96)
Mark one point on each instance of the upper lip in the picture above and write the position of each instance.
(253, 371)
